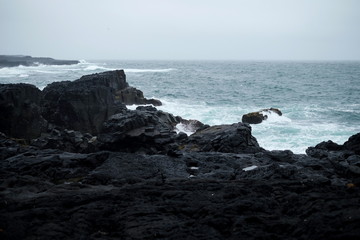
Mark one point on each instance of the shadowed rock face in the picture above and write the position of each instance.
(85, 103)
(20, 112)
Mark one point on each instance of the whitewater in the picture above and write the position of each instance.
(319, 100)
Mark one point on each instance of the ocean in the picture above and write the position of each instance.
(320, 101)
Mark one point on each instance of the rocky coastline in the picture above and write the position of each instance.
(17, 60)
(75, 163)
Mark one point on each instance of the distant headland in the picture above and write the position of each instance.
(17, 60)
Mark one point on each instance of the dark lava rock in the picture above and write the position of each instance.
(84, 104)
(20, 111)
(48, 194)
(353, 144)
(67, 140)
(17, 60)
(131, 95)
(235, 138)
(344, 157)
(145, 129)
(258, 117)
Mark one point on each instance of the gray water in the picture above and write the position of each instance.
(319, 100)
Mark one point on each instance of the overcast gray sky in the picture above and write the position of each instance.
(182, 29)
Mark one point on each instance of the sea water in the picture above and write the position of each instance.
(319, 100)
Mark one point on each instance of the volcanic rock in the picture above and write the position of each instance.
(131, 95)
(145, 129)
(198, 195)
(20, 111)
(84, 104)
(235, 138)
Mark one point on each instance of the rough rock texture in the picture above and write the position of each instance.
(20, 111)
(131, 95)
(235, 138)
(67, 140)
(51, 194)
(258, 117)
(344, 157)
(145, 128)
(83, 104)
(17, 60)
(138, 179)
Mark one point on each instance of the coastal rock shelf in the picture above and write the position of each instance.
(17, 60)
(75, 163)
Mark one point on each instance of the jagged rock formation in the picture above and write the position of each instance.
(131, 95)
(82, 105)
(138, 179)
(20, 111)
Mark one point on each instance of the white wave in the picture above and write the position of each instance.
(273, 117)
(24, 75)
(96, 67)
(136, 70)
(183, 128)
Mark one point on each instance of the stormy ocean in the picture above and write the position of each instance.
(319, 100)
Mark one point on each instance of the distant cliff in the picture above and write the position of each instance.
(17, 60)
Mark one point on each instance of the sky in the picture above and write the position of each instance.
(182, 29)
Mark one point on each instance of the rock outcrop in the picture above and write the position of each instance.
(81, 105)
(20, 111)
(84, 104)
(260, 116)
(234, 138)
(17, 60)
(139, 179)
(131, 95)
(145, 129)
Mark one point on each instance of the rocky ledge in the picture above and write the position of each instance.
(86, 167)
(17, 60)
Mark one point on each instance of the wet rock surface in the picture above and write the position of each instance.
(260, 116)
(110, 195)
(128, 175)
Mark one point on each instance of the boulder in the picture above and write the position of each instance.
(258, 117)
(234, 138)
(20, 111)
(253, 118)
